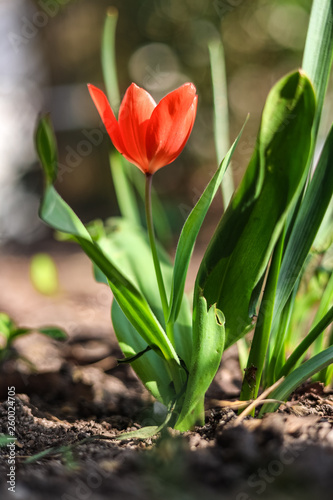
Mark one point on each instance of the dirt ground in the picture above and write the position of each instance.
(74, 399)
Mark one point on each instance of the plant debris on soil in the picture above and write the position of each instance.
(72, 401)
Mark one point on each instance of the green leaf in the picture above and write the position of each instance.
(124, 189)
(119, 166)
(221, 118)
(109, 57)
(43, 453)
(190, 232)
(318, 52)
(20, 331)
(261, 336)
(7, 326)
(57, 214)
(151, 369)
(325, 303)
(298, 376)
(240, 249)
(53, 332)
(306, 342)
(143, 433)
(9, 329)
(47, 148)
(311, 213)
(127, 246)
(126, 178)
(5, 440)
(208, 344)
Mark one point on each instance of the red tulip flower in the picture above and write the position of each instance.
(147, 134)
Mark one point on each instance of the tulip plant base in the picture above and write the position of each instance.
(77, 392)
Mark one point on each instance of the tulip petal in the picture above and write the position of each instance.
(103, 107)
(134, 115)
(170, 126)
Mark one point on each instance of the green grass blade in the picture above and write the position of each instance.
(306, 343)
(221, 116)
(125, 177)
(311, 213)
(123, 188)
(324, 305)
(119, 166)
(297, 377)
(143, 433)
(190, 232)
(329, 369)
(109, 65)
(5, 439)
(276, 357)
(262, 331)
(318, 52)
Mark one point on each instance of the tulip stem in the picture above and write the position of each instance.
(158, 272)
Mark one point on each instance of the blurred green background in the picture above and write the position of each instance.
(50, 49)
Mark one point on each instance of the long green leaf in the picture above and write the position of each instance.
(240, 250)
(127, 246)
(221, 117)
(119, 166)
(124, 190)
(298, 376)
(109, 57)
(126, 178)
(260, 340)
(47, 148)
(306, 342)
(318, 52)
(325, 303)
(310, 215)
(190, 232)
(57, 214)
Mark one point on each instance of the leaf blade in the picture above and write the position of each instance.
(190, 232)
(311, 213)
(298, 376)
(241, 247)
(57, 214)
(208, 344)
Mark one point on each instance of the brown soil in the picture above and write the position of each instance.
(75, 391)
